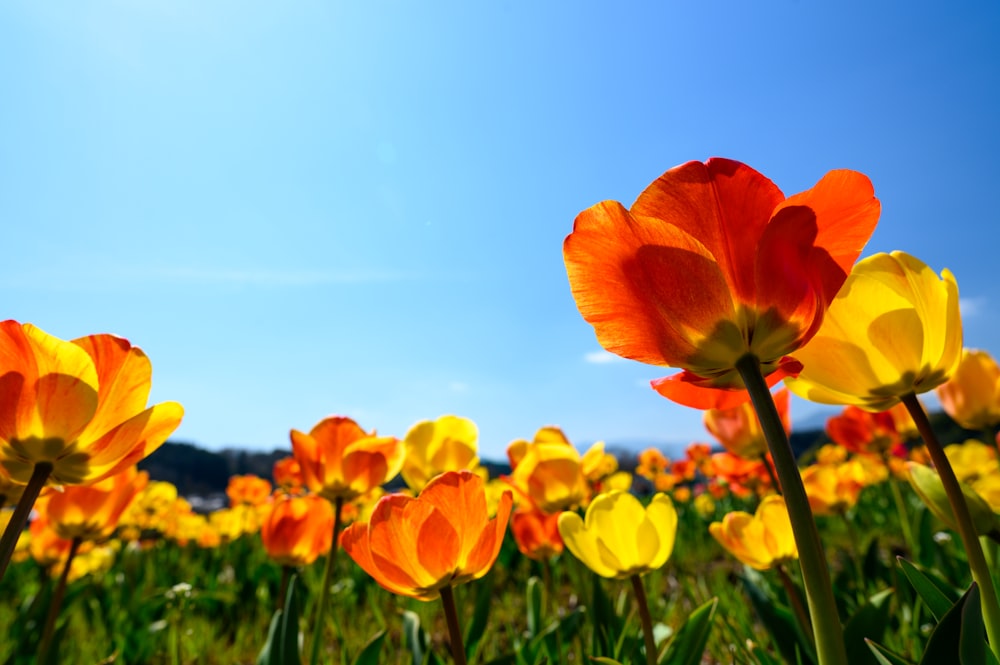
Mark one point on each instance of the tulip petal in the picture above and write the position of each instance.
(130, 441)
(356, 542)
(124, 377)
(662, 515)
(461, 498)
(583, 544)
(487, 548)
(697, 392)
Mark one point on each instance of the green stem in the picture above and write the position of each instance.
(795, 600)
(904, 518)
(286, 573)
(45, 643)
(963, 520)
(324, 592)
(815, 573)
(39, 476)
(647, 621)
(454, 632)
(855, 554)
(770, 473)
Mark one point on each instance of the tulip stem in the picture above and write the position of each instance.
(324, 591)
(45, 643)
(454, 632)
(963, 520)
(39, 476)
(286, 573)
(645, 618)
(904, 518)
(770, 473)
(795, 600)
(826, 626)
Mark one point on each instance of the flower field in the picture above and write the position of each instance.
(877, 545)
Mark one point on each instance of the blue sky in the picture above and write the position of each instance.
(307, 208)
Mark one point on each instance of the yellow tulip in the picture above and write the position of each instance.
(548, 471)
(972, 395)
(762, 540)
(894, 329)
(971, 459)
(449, 443)
(833, 488)
(619, 537)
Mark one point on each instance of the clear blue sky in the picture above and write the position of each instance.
(307, 208)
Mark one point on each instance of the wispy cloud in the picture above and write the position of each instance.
(601, 357)
(972, 306)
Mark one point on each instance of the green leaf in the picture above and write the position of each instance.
(264, 657)
(869, 622)
(688, 646)
(533, 590)
(972, 640)
(953, 640)
(480, 617)
(781, 626)
(885, 657)
(369, 654)
(605, 622)
(414, 637)
(606, 661)
(282, 645)
(933, 595)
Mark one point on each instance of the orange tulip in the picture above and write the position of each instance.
(287, 474)
(297, 530)
(738, 428)
(91, 512)
(861, 431)
(46, 546)
(443, 537)
(712, 263)
(79, 406)
(248, 490)
(739, 472)
(972, 394)
(536, 533)
(339, 460)
(833, 488)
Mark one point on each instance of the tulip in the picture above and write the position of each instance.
(449, 443)
(287, 474)
(738, 428)
(297, 530)
(762, 540)
(536, 533)
(714, 271)
(833, 488)
(893, 332)
(713, 263)
(91, 512)
(620, 538)
(72, 413)
(861, 431)
(548, 471)
(421, 547)
(972, 395)
(248, 490)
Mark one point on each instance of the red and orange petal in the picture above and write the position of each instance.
(711, 263)
(536, 533)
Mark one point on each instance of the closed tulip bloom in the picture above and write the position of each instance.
(972, 395)
(443, 537)
(893, 330)
(287, 474)
(738, 428)
(548, 471)
(762, 540)
(536, 533)
(92, 512)
(712, 263)
(339, 460)
(79, 406)
(297, 530)
(619, 537)
(449, 443)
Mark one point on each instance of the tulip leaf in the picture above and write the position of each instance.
(688, 645)
(885, 657)
(781, 626)
(605, 621)
(960, 636)
(533, 591)
(869, 622)
(604, 660)
(414, 637)
(933, 594)
(282, 646)
(370, 653)
(480, 617)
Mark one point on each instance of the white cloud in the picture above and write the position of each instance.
(972, 306)
(601, 357)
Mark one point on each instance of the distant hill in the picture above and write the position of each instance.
(198, 472)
